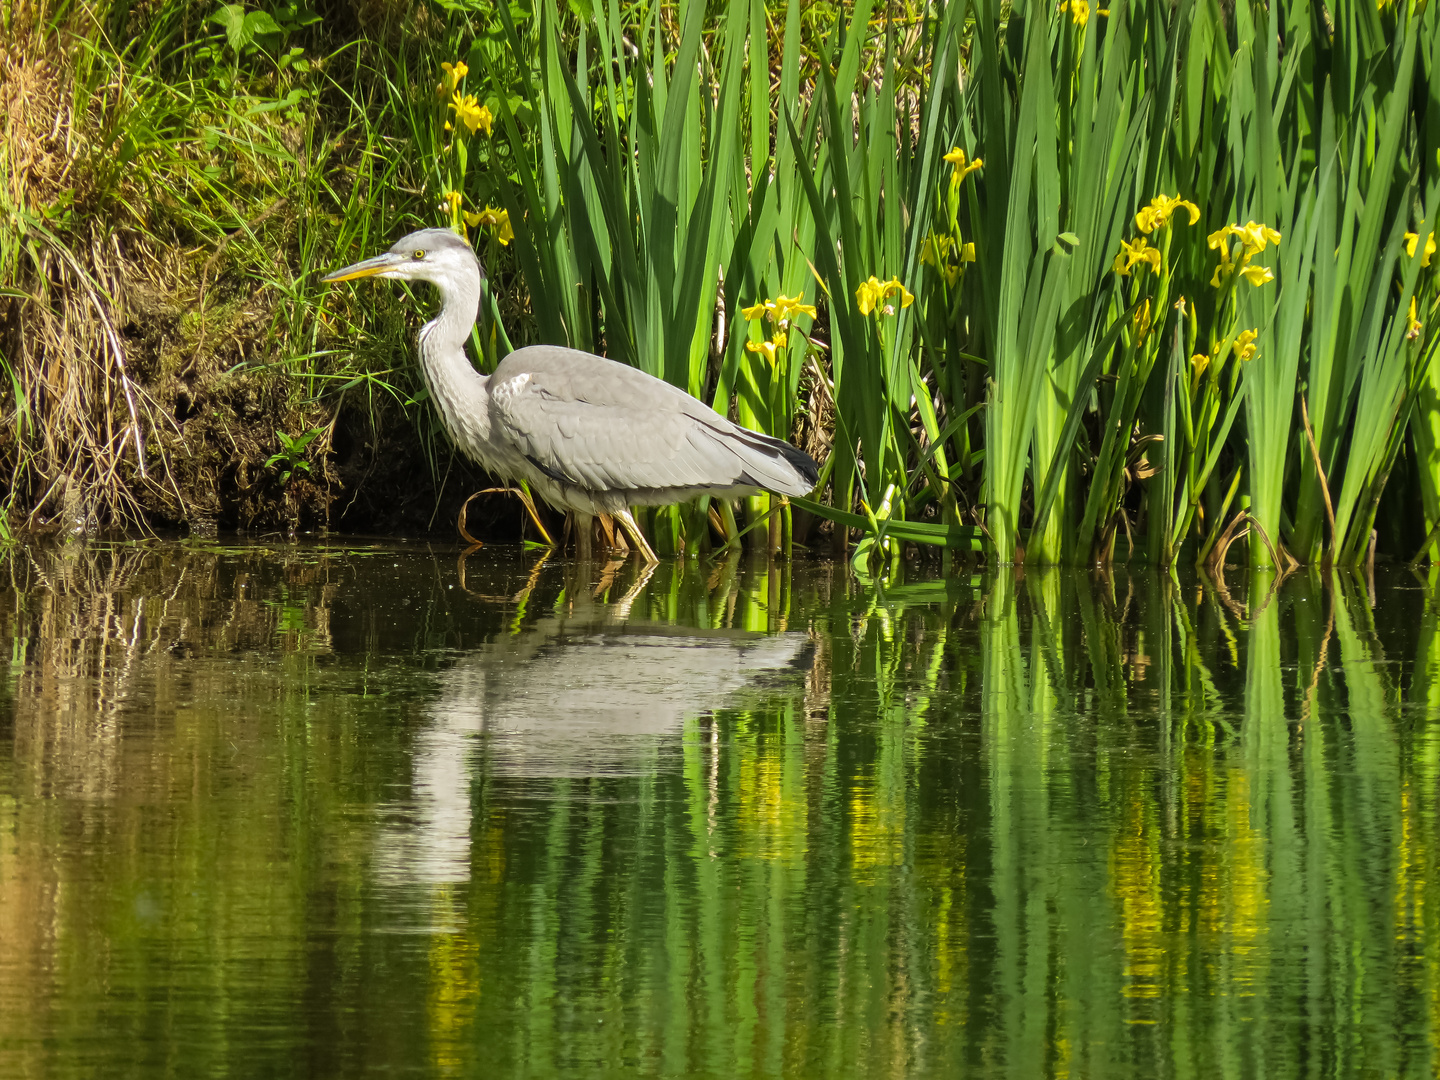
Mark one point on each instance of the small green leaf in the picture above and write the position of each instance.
(231, 17)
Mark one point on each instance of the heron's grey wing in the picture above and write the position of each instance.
(608, 427)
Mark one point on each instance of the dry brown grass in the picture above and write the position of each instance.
(117, 411)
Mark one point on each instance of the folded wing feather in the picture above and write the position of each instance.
(605, 426)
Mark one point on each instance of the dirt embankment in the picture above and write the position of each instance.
(168, 359)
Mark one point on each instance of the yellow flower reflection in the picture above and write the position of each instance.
(1135, 866)
(877, 826)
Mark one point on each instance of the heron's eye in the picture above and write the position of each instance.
(418, 255)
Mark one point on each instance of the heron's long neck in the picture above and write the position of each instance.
(458, 390)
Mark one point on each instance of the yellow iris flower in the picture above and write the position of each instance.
(1223, 270)
(1158, 212)
(787, 307)
(1080, 11)
(453, 74)
(453, 199)
(1253, 239)
(768, 349)
(1135, 251)
(963, 169)
(1245, 346)
(498, 220)
(1413, 239)
(872, 294)
(471, 113)
(779, 311)
(936, 251)
(1198, 363)
(1257, 275)
(1413, 325)
(1254, 236)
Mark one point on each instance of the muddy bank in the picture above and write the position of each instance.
(169, 360)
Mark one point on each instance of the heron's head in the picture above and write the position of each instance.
(434, 255)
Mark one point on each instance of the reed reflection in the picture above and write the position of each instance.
(729, 818)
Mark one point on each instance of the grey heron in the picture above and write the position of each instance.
(590, 435)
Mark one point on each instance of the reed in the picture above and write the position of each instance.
(995, 370)
(1057, 285)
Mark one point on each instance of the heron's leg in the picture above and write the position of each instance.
(584, 535)
(631, 527)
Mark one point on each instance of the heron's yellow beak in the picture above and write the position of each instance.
(369, 268)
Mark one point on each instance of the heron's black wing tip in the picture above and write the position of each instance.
(553, 474)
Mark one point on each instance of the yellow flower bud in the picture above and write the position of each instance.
(956, 157)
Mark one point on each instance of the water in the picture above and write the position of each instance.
(343, 811)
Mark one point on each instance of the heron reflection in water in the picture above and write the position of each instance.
(592, 436)
(590, 693)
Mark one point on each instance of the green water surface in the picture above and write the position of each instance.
(364, 810)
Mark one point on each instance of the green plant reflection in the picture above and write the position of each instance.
(335, 810)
